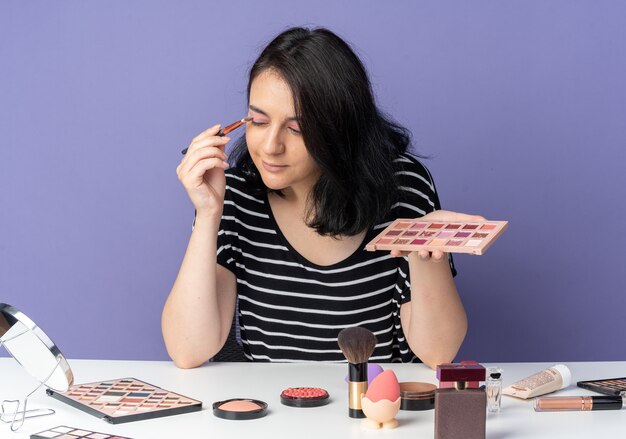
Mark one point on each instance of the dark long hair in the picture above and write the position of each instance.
(349, 138)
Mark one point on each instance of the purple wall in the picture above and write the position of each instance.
(522, 106)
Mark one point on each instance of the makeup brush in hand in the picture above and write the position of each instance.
(227, 129)
(357, 345)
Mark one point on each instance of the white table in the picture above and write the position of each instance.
(264, 381)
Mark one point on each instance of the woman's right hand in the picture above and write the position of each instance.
(201, 172)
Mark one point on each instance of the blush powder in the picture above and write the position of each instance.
(239, 405)
(239, 409)
(304, 397)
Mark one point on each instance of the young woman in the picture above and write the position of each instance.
(319, 173)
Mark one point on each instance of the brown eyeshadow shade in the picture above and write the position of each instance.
(453, 226)
(384, 241)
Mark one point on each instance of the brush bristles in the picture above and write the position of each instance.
(357, 344)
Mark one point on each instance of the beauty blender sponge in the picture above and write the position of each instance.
(384, 386)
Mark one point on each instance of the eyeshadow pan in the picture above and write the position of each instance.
(438, 242)
(401, 241)
(473, 242)
(428, 233)
(393, 232)
(410, 233)
(402, 225)
(445, 234)
(455, 242)
(453, 226)
(436, 226)
(138, 394)
(418, 225)
(480, 235)
(462, 235)
(470, 226)
(106, 398)
(488, 227)
(419, 241)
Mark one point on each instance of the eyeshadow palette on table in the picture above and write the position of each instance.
(126, 400)
(610, 386)
(451, 237)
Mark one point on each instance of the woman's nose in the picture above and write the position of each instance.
(273, 143)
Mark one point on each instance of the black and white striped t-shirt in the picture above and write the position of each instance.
(291, 309)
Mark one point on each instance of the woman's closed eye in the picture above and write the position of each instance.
(294, 128)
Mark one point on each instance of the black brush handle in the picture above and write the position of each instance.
(220, 133)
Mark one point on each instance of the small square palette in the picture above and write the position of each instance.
(126, 400)
(452, 237)
(63, 432)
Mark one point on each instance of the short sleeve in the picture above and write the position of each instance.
(227, 235)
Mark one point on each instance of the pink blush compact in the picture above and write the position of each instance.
(240, 409)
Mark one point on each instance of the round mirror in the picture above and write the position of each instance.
(33, 349)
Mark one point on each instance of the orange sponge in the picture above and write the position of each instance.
(384, 386)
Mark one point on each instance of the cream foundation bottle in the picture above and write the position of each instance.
(549, 380)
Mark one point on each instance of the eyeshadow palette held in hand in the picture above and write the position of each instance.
(450, 237)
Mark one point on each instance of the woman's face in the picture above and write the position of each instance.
(274, 139)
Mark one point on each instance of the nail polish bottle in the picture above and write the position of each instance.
(460, 406)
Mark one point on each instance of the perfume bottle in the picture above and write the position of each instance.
(460, 405)
(493, 387)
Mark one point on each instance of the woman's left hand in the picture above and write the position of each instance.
(443, 216)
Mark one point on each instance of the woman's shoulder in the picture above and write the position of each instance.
(239, 189)
(237, 180)
(410, 171)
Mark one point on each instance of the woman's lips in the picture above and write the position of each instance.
(273, 167)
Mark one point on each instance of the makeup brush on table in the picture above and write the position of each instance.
(227, 129)
(357, 345)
